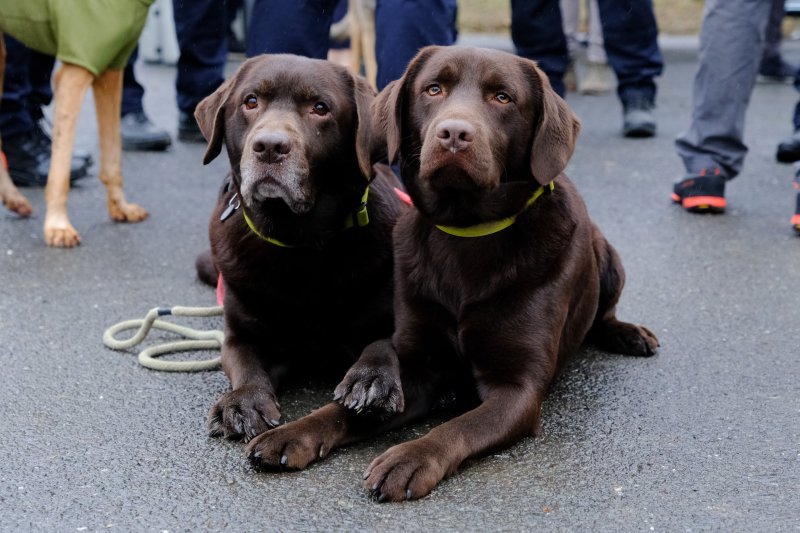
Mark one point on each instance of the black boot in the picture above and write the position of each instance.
(138, 133)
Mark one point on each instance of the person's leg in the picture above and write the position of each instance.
(537, 32)
(137, 131)
(26, 89)
(297, 27)
(598, 75)
(731, 38)
(772, 66)
(630, 37)
(15, 115)
(596, 53)
(570, 15)
(402, 27)
(200, 26)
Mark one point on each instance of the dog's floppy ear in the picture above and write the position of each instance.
(364, 95)
(210, 116)
(387, 112)
(556, 135)
(387, 109)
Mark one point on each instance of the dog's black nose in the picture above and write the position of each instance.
(271, 145)
(455, 135)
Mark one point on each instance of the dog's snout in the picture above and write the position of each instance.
(454, 134)
(272, 145)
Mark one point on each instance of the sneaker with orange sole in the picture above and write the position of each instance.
(703, 192)
(795, 221)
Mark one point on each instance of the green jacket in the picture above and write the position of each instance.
(94, 34)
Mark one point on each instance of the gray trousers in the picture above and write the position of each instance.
(731, 43)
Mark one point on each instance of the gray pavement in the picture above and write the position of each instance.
(704, 436)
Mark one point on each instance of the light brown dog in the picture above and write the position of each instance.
(102, 71)
(359, 26)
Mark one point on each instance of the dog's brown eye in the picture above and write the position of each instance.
(502, 97)
(321, 109)
(250, 101)
(433, 90)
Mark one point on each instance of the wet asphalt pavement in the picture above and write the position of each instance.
(704, 436)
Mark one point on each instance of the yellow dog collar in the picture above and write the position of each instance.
(358, 218)
(488, 228)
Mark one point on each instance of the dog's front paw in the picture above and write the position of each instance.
(292, 446)
(374, 390)
(630, 339)
(244, 413)
(125, 212)
(58, 232)
(407, 471)
(14, 201)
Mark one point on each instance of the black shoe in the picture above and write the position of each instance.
(638, 118)
(789, 150)
(795, 221)
(188, 130)
(703, 192)
(42, 129)
(28, 157)
(776, 70)
(138, 133)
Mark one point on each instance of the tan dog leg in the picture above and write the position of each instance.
(368, 42)
(354, 8)
(9, 195)
(107, 90)
(71, 82)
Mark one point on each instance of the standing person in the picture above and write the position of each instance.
(712, 150)
(596, 80)
(201, 27)
(773, 67)
(402, 27)
(137, 131)
(26, 92)
(630, 37)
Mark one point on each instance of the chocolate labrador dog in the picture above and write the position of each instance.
(500, 274)
(301, 237)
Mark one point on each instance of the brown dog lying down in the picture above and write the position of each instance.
(305, 256)
(500, 274)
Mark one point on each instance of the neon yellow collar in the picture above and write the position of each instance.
(488, 228)
(358, 218)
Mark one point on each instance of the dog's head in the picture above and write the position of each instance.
(472, 127)
(293, 127)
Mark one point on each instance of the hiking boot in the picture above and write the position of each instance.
(28, 158)
(795, 221)
(775, 70)
(597, 79)
(42, 129)
(789, 149)
(188, 130)
(703, 192)
(570, 78)
(138, 133)
(638, 118)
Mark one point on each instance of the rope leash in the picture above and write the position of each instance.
(194, 339)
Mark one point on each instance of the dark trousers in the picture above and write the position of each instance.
(201, 27)
(26, 88)
(630, 36)
(402, 27)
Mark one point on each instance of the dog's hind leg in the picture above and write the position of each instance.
(71, 83)
(107, 88)
(607, 332)
(9, 195)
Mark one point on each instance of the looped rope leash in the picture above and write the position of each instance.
(195, 339)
